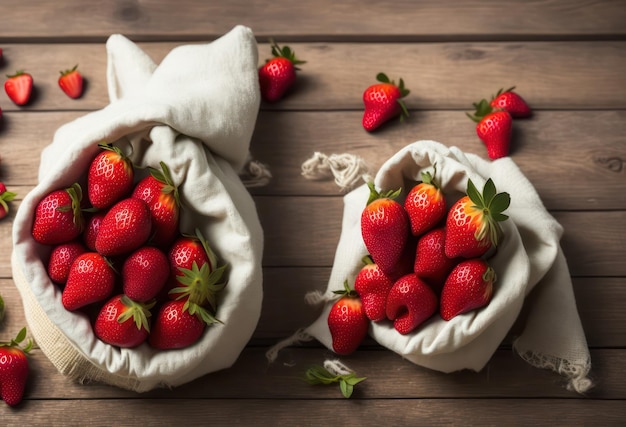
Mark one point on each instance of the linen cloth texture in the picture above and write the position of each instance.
(528, 260)
(195, 111)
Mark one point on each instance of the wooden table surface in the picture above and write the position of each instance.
(566, 57)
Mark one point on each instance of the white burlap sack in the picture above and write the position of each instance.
(196, 111)
(529, 257)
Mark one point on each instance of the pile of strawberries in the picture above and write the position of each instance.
(118, 255)
(423, 257)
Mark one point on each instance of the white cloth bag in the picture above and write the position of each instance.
(195, 111)
(529, 259)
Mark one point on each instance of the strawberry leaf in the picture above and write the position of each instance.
(317, 375)
(382, 77)
(2, 311)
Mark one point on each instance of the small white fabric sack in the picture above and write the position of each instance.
(529, 258)
(195, 111)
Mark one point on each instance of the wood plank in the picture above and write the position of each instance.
(549, 75)
(363, 20)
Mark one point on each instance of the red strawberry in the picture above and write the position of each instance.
(123, 322)
(19, 87)
(5, 196)
(383, 101)
(431, 262)
(124, 228)
(410, 303)
(144, 273)
(468, 287)
(110, 177)
(494, 128)
(61, 259)
(347, 322)
(385, 228)
(425, 205)
(179, 324)
(472, 225)
(91, 279)
(510, 102)
(278, 73)
(373, 286)
(71, 82)
(14, 369)
(91, 229)
(161, 195)
(58, 216)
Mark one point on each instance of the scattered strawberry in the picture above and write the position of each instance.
(14, 369)
(58, 216)
(5, 196)
(19, 87)
(161, 195)
(71, 82)
(431, 263)
(383, 101)
(468, 287)
(494, 128)
(61, 259)
(425, 205)
(472, 225)
(91, 229)
(410, 303)
(384, 227)
(373, 286)
(123, 322)
(91, 279)
(179, 324)
(278, 73)
(124, 228)
(110, 177)
(347, 322)
(511, 102)
(144, 273)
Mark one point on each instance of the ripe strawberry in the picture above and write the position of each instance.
(91, 279)
(58, 216)
(124, 228)
(61, 259)
(373, 285)
(91, 229)
(14, 369)
(494, 128)
(383, 101)
(144, 273)
(161, 195)
(19, 87)
(179, 324)
(123, 322)
(5, 196)
(410, 303)
(472, 224)
(511, 102)
(385, 228)
(278, 73)
(425, 205)
(468, 287)
(431, 263)
(110, 177)
(71, 82)
(347, 322)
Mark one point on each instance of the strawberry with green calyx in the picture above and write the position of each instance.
(110, 177)
(510, 102)
(14, 368)
(373, 285)
(425, 204)
(468, 287)
(278, 73)
(71, 82)
(91, 279)
(384, 228)
(124, 228)
(58, 216)
(317, 375)
(383, 101)
(199, 285)
(123, 322)
(494, 128)
(347, 321)
(5, 196)
(410, 303)
(19, 87)
(472, 225)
